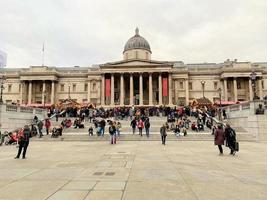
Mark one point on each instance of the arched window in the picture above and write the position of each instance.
(94, 86)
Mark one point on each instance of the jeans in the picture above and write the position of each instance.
(147, 132)
(23, 145)
(163, 139)
(102, 131)
(133, 130)
(140, 131)
(220, 149)
(118, 133)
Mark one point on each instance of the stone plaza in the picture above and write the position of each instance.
(133, 170)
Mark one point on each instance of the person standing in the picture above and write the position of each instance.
(24, 139)
(219, 138)
(40, 128)
(118, 128)
(47, 126)
(163, 133)
(147, 126)
(230, 136)
(133, 125)
(112, 132)
(102, 127)
(140, 126)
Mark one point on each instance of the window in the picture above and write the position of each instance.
(40, 88)
(9, 87)
(262, 84)
(85, 87)
(20, 87)
(215, 85)
(74, 87)
(190, 86)
(238, 84)
(181, 85)
(62, 87)
(94, 86)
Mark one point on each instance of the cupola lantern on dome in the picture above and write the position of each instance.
(137, 47)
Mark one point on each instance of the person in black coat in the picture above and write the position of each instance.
(163, 133)
(24, 142)
(230, 137)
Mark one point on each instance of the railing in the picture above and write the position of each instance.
(38, 111)
(245, 106)
(11, 108)
(26, 110)
(235, 107)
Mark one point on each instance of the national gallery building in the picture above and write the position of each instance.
(135, 80)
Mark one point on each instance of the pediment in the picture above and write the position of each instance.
(136, 63)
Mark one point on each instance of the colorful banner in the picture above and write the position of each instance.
(107, 86)
(164, 87)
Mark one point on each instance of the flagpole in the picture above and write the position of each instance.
(43, 56)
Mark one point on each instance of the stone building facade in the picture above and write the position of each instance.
(135, 80)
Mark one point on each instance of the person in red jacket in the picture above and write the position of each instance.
(47, 126)
(140, 126)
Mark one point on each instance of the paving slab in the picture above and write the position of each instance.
(110, 195)
(79, 185)
(109, 185)
(69, 195)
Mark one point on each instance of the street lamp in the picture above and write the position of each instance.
(2, 79)
(253, 78)
(220, 110)
(203, 87)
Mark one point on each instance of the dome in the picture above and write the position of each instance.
(137, 42)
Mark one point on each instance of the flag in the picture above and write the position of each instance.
(43, 47)
(108, 88)
(164, 87)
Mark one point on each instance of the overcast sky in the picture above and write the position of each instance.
(86, 32)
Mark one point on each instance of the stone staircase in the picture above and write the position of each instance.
(72, 134)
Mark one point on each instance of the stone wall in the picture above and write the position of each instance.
(12, 117)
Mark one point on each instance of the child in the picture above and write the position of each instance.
(90, 130)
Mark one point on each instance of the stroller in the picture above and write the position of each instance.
(56, 132)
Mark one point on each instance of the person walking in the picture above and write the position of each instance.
(230, 137)
(118, 128)
(102, 127)
(147, 126)
(23, 140)
(219, 138)
(47, 126)
(133, 125)
(40, 125)
(163, 133)
(140, 126)
(112, 132)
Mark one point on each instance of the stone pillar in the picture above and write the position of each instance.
(235, 90)
(103, 90)
(122, 90)
(150, 89)
(186, 92)
(43, 93)
(112, 90)
(250, 90)
(53, 93)
(30, 93)
(21, 92)
(141, 89)
(260, 89)
(89, 91)
(225, 90)
(131, 90)
(160, 89)
(170, 89)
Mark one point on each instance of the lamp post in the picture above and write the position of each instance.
(253, 78)
(203, 87)
(2, 79)
(220, 110)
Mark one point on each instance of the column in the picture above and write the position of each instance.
(225, 90)
(186, 92)
(112, 90)
(43, 93)
(103, 90)
(260, 89)
(170, 89)
(150, 89)
(122, 90)
(53, 93)
(160, 89)
(235, 90)
(250, 90)
(30, 93)
(131, 89)
(89, 91)
(141, 89)
(21, 92)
